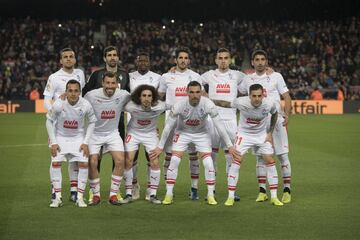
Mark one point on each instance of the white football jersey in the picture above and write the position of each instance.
(149, 78)
(223, 86)
(107, 109)
(70, 119)
(174, 85)
(273, 84)
(56, 84)
(193, 119)
(253, 120)
(141, 120)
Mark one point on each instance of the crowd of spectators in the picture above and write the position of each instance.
(311, 55)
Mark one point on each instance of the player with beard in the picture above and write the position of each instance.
(108, 103)
(111, 59)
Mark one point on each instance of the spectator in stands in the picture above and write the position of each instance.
(302, 51)
(316, 95)
(34, 94)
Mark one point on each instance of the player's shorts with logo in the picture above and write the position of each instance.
(200, 141)
(243, 142)
(69, 150)
(134, 138)
(110, 142)
(169, 142)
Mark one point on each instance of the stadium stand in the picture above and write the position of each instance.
(323, 54)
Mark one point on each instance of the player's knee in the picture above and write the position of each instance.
(155, 164)
(268, 159)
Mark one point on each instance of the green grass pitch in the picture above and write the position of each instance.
(325, 157)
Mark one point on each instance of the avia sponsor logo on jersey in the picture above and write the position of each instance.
(72, 124)
(107, 114)
(193, 122)
(143, 122)
(223, 88)
(180, 91)
(253, 121)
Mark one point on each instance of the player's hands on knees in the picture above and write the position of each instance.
(85, 149)
(234, 153)
(155, 153)
(54, 149)
(269, 138)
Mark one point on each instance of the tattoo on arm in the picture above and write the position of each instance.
(273, 121)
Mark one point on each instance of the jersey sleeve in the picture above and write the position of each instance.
(126, 96)
(242, 86)
(130, 107)
(88, 97)
(240, 78)
(162, 84)
(280, 84)
(273, 108)
(211, 108)
(55, 111)
(49, 88)
(160, 107)
(156, 81)
(204, 78)
(82, 79)
(90, 113)
(237, 103)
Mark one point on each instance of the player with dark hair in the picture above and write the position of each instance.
(274, 87)
(190, 116)
(69, 137)
(111, 59)
(143, 75)
(141, 129)
(55, 88)
(173, 86)
(108, 102)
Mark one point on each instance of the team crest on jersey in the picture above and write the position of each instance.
(180, 91)
(223, 88)
(78, 77)
(192, 122)
(117, 100)
(202, 112)
(151, 79)
(264, 112)
(107, 114)
(71, 124)
(190, 78)
(98, 100)
(186, 111)
(81, 113)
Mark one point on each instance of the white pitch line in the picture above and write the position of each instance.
(23, 145)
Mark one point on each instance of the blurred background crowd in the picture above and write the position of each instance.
(319, 58)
